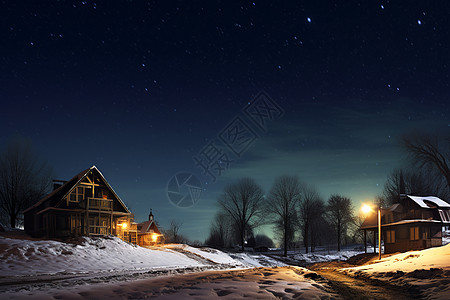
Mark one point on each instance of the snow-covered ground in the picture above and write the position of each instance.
(438, 257)
(320, 257)
(256, 283)
(109, 267)
(427, 270)
(102, 268)
(26, 258)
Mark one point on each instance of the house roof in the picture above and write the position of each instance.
(147, 225)
(422, 201)
(64, 190)
(428, 202)
(60, 191)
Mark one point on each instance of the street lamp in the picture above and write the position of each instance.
(366, 209)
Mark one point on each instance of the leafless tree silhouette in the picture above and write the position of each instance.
(24, 179)
(243, 201)
(282, 205)
(429, 150)
(311, 209)
(340, 215)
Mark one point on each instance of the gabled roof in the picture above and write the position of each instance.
(421, 201)
(64, 190)
(147, 225)
(371, 221)
(60, 191)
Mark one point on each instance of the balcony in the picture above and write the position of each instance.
(100, 204)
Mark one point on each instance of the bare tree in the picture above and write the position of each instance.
(282, 204)
(357, 234)
(423, 182)
(173, 233)
(429, 150)
(243, 202)
(320, 228)
(311, 210)
(220, 235)
(394, 186)
(340, 215)
(24, 179)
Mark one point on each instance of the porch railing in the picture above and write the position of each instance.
(100, 204)
(100, 230)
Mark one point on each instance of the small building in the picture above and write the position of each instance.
(415, 223)
(148, 232)
(86, 205)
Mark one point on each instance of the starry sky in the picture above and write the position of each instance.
(140, 88)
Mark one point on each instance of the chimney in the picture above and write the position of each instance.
(150, 216)
(58, 183)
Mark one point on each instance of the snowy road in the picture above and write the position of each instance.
(259, 283)
(363, 288)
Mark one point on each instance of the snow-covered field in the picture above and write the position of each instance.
(427, 270)
(25, 258)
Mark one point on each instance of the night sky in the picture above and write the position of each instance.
(139, 88)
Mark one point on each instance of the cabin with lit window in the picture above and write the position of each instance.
(148, 232)
(86, 205)
(415, 223)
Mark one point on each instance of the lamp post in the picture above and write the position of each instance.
(379, 233)
(367, 209)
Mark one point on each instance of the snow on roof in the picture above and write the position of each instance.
(421, 201)
(413, 221)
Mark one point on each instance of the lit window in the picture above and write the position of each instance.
(390, 236)
(414, 233)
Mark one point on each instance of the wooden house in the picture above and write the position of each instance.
(85, 205)
(148, 232)
(415, 223)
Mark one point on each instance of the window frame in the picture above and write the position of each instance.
(414, 233)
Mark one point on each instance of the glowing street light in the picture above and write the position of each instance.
(366, 209)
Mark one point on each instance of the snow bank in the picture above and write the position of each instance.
(438, 257)
(256, 260)
(317, 257)
(427, 271)
(24, 257)
(211, 254)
